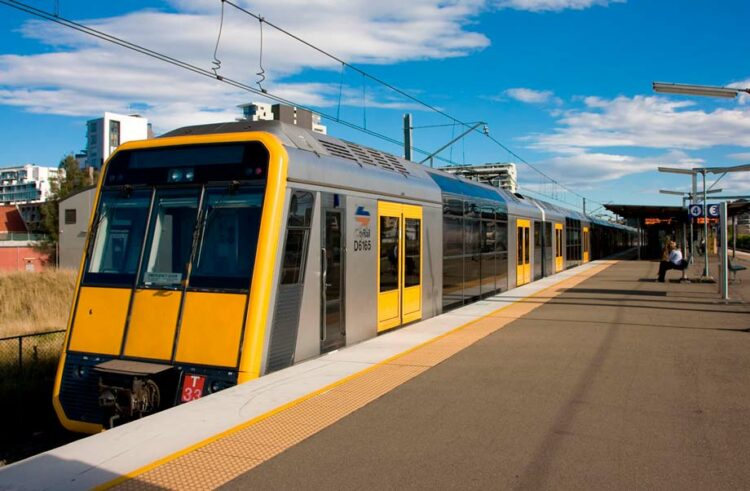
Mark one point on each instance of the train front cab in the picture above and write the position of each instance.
(183, 236)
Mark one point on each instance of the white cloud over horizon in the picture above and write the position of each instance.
(531, 96)
(608, 138)
(554, 5)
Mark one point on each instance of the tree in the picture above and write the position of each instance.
(73, 180)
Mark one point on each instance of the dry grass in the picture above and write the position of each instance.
(35, 302)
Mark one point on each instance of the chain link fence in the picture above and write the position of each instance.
(28, 365)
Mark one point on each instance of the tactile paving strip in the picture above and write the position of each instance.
(217, 461)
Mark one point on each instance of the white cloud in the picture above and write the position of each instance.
(739, 156)
(531, 96)
(646, 121)
(553, 5)
(583, 168)
(84, 76)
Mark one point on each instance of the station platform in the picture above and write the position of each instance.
(596, 377)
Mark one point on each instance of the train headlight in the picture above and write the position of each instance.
(189, 175)
(81, 371)
(175, 175)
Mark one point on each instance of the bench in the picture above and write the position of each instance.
(733, 268)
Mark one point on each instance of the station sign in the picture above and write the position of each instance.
(696, 210)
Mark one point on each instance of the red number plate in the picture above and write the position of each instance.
(192, 387)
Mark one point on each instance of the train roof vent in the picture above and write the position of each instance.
(337, 150)
(383, 160)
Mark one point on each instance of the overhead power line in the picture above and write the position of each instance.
(213, 74)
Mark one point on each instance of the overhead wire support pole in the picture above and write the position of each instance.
(433, 154)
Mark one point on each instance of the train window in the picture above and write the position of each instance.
(453, 251)
(502, 237)
(118, 237)
(295, 248)
(389, 258)
(170, 237)
(229, 238)
(412, 258)
(300, 209)
(519, 241)
(294, 251)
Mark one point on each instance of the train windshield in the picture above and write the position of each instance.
(170, 237)
(120, 227)
(229, 236)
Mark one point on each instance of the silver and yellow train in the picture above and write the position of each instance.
(220, 253)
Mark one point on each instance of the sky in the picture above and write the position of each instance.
(564, 84)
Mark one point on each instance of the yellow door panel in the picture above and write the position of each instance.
(523, 266)
(400, 262)
(585, 244)
(411, 297)
(412, 304)
(153, 321)
(389, 313)
(558, 247)
(100, 320)
(211, 328)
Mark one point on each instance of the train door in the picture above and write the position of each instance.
(399, 264)
(332, 329)
(585, 244)
(558, 247)
(523, 268)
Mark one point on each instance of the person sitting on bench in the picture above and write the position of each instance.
(674, 261)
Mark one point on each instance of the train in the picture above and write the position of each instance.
(223, 252)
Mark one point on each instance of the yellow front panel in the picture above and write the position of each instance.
(153, 322)
(100, 320)
(211, 329)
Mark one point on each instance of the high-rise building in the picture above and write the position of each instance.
(261, 111)
(27, 183)
(105, 134)
(501, 174)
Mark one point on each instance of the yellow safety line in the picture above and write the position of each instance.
(131, 475)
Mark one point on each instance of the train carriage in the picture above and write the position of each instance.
(220, 253)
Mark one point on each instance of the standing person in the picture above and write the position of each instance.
(674, 261)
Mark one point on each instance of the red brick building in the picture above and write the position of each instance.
(17, 251)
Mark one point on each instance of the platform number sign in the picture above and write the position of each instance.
(696, 210)
(192, 387)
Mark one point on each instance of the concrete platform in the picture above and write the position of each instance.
(618, 383)
(596, 377)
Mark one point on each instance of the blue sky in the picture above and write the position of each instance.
(566, 84)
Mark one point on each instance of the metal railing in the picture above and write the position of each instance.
(21, 236)
(28, 364)
(29, 350)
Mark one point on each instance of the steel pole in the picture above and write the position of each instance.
(734, 236)
(692, 234)
(705, 226)
(724, 261)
